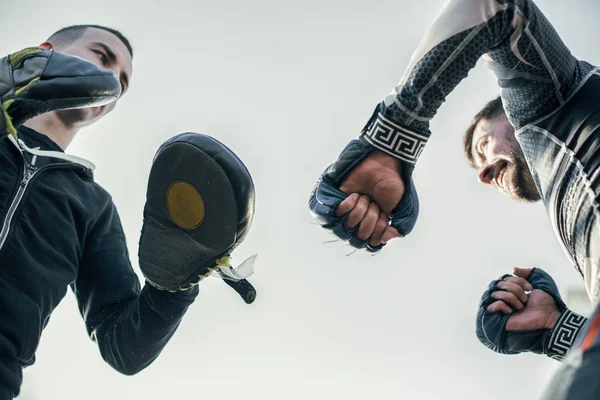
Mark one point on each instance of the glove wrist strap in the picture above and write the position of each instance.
(564, 334)
(393, 139)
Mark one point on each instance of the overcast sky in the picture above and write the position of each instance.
(286, 85)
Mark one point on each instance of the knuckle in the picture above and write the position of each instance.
(356, 212)
(371, 218)
(344, 206)
(514, 289)
(358, 208)
(352, 221)
(373, 214)
(523, 300)
(362, 235)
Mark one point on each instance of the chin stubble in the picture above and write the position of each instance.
(522, 185)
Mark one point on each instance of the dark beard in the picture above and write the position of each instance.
(521, 182)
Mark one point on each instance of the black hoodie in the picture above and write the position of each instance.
(59, 228)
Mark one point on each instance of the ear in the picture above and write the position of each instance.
(47, 45)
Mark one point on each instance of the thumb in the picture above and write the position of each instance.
(522, 272)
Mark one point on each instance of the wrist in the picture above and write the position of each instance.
(393, 139)
(564, 334)
(552, 319)
(385, 159)
(189, 293)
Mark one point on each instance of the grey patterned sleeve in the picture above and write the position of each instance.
(535, 70)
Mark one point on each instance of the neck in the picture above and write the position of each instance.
(58, 130)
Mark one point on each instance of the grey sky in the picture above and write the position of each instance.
(286, 85)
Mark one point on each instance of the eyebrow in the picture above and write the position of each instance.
(108, 50)
(473, 154)
(473, 150)
(113, 59)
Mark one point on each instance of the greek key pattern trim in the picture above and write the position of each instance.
(564, 334)
(395, 140)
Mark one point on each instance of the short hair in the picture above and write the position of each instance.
(491, 110)
(72, 33)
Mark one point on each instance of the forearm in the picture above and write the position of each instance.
(131, 337)
(524, 50)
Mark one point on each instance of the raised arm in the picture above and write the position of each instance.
(535, 70)
(131, 326)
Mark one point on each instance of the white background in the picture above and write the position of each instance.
(286, 85)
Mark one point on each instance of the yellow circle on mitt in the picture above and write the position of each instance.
(186, 205)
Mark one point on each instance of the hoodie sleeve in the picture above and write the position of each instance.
(130, 324)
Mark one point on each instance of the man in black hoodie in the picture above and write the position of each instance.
(59, 228)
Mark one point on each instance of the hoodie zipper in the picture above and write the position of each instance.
(29, 172)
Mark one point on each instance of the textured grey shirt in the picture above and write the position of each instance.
(549, 96)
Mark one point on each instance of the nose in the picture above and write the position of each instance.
(116, 70)
(486, 174)
(117, 73)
